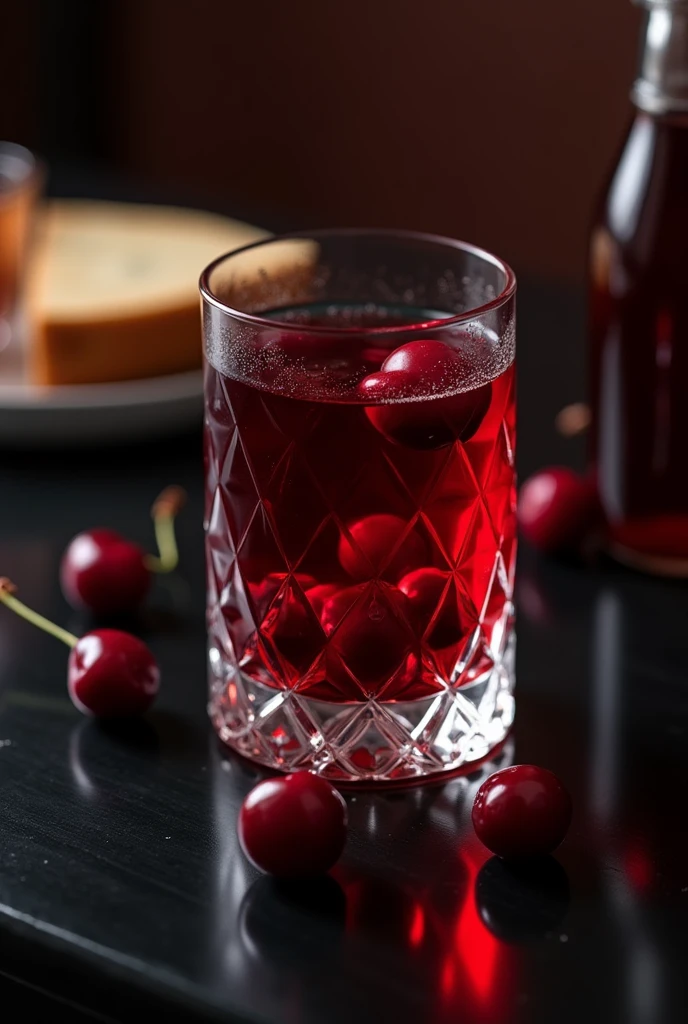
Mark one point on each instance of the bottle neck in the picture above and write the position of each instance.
(662, 83)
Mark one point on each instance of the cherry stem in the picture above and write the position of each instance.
(164, 511)
(7, 589)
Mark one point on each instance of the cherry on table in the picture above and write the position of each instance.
(106, 573)
(293, 826)
(557, 508)
(112, 674)
(109, 673)
(371, 547)
(522, 811)
(425, 589)
(403, 389)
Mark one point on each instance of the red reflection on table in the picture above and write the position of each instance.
(439, 934)
(476, 963)
(637, 864)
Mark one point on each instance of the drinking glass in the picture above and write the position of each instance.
(19, 185)
(360, 502)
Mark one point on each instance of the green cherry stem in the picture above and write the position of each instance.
(7, 591)
(164, 512)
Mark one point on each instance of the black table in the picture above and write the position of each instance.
(122, 889)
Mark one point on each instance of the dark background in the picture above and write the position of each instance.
(489, 120)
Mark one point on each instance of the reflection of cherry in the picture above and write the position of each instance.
(368, 635)
(109, 673)
(522, 901)
(425, 589)
(293, 826)
(419, 370)
(371, 547)
(311, 912)
(522, 811)
(557, 508)
(106, 573)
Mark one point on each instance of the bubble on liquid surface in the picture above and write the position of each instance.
(321, 365)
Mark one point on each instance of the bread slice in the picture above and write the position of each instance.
(113, 289)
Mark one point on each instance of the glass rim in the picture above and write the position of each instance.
(31, 165)
(507, 292)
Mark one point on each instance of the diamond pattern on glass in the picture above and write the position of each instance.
(317, 658)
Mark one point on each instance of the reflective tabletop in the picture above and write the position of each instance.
(121, 883)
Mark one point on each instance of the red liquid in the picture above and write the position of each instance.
(315, 518)
(639, 345)
(15, 204)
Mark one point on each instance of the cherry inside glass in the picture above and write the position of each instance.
(360, 527)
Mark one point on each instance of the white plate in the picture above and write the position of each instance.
(90, 414)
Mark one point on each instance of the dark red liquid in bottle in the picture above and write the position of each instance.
(639, 346)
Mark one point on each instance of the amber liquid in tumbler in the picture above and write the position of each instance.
(639, 346)
(345, 566)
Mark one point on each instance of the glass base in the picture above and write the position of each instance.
(371, 741)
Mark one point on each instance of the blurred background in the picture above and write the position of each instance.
(489, 120)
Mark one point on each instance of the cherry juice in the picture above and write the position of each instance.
(359, 516)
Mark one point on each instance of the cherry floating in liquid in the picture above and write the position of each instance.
(265, 592)
(108, 574)
(286, 618)
(293, 826)
(426, 589)
(522, 811)
(370, 642)
(419, 370)
(373, 546)
(557, 508)
(319, 595)
(109, 673)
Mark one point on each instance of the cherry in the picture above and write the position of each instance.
(320, 594)
(425, 588)
(293, 826)
(265, 592)
(109, 673)
(371, 547)
(522, 811)
(420, 370)
(293, 629)
(557, 508)
(369, 638)
(433, 363)
(104, 572)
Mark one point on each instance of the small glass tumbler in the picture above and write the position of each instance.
(19, 186)
(360, 502)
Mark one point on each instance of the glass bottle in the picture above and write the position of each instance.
(638, 311)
